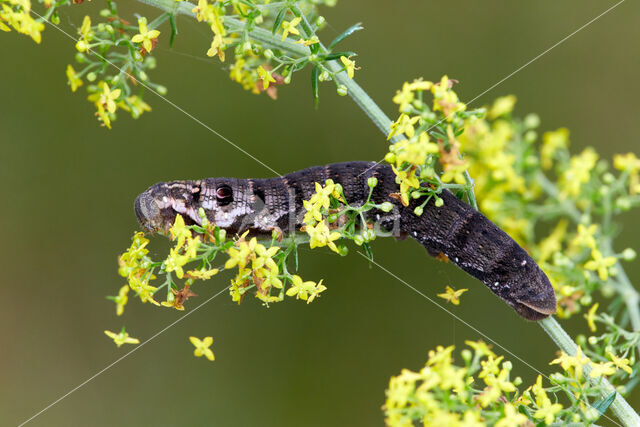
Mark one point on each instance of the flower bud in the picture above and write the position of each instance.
(222, 234)
(629, 254)
(531, 121)
(287, 79)
(390, 158)
(623, 203)
(55, 18)
(105, 13)
(386, 207)
(358, 240)
(418, 211)
(203, 217)
(416, 194)
(161, 90)
(517, 381)
(246, 47)
(91, 76)
(80, 58)
(143, 76)
(320, 21)
(369, 235)
(586, 300)
(439, 202)
(342, 90)
(137, 56)
(324, 76)
(608, 178)
(466, 354)
(268, 53)
(592, 340)
(372, 182)
(530, 136)
(343, 250)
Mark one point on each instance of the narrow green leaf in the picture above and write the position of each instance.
(336, 55)
(352, 29)
(278, 21)
(604, 404)
(367, 250)
(174, 29)
(314, 85)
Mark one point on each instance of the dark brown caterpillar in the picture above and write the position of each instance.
(464, 235)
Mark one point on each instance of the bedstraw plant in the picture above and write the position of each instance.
(561, 206)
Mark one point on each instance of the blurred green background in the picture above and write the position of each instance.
(68, 188)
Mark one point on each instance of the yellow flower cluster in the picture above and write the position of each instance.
(315, 223)
(442, 393)
(574, 365)
(241, 73)
(255, 265)
(185, 249)
(17, 14)
(147, 38)
(213, 14)
(578, 173)
(134, 265)
(551, 143)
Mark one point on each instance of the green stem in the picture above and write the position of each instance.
(620, 407)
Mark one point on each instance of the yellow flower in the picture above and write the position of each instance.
(289, 27)
(145, 292)
(591, 317)
(312, 40)
(121, 338)
(511, 417)
(203, 274)
(302, 290)
(407, 181)
(501, 106)
(552, 142)
(73, 80)
(452, 295)
(572, 364)
(412, 151)
(179, 231)
(404, 97)
(455, 173)
(600, 263)
(349, 66)
(585, 236)
(135, 105)
(86, 35)
(404, 124)
(547, 410)
(578, 173)
(320, 235)
(121, 299)
(106, 98)
(217, 45)
(202, 347)
(445, 99)
(602, 369)
(621, 363)
(176, 260)
(491, 366)
(145, 36)
(481, 348)
(266, 77)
